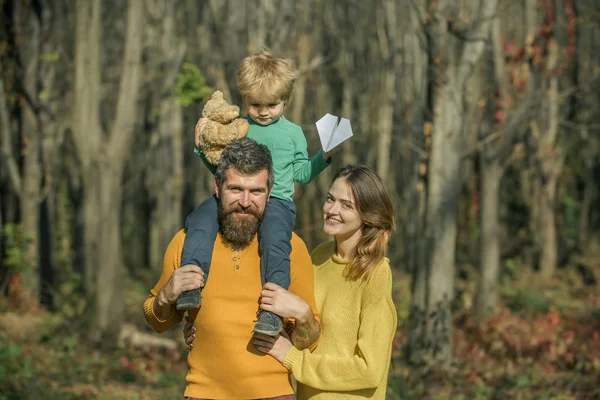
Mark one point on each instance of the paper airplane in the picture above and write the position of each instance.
(333, 131)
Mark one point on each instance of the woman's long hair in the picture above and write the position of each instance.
(375, 209)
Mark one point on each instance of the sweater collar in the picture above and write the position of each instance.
(337, 259)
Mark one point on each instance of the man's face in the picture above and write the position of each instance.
(242, 202)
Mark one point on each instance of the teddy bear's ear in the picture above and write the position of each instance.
(217, 95)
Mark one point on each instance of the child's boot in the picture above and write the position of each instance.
(268, 323)
(189, 300)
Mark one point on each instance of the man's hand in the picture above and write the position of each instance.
(188, 277)
(284, 303)
(201, 122)
(189, 332)
(277, 347)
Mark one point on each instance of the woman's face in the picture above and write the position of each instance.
(340, 213)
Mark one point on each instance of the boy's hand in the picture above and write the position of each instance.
(331, 152)
(201, 122)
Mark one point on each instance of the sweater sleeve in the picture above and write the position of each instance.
(170, 263)
(208, 165)
(366, 368)
(305, 169)
(302, 278)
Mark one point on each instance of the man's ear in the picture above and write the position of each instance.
(216, 187)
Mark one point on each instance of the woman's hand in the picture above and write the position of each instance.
(284, 303)
(276, 347)
(189, 332)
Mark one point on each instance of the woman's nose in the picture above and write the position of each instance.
(330, 208)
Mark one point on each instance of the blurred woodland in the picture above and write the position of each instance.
(482, 116)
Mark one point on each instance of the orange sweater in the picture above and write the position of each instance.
(223, 365)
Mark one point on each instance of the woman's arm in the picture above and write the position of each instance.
(286, 304)
(364, 369)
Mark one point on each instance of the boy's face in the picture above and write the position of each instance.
(265, 114)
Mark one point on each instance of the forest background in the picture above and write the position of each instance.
(482, 117)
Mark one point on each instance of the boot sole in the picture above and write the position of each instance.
(268, 333)
(184, 307)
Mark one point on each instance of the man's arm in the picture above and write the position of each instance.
(159, 308)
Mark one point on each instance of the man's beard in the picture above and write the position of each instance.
(237, 229)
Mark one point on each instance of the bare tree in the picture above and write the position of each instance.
(457, 38)
(102, 155)
(503, 126)
(165, 180)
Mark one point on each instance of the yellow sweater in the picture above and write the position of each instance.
(223, 365)
(358, 325)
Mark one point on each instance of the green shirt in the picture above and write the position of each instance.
(289, 151)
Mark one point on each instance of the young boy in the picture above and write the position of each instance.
(265, 84)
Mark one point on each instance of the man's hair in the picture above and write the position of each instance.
(247, 158)
(266, 79)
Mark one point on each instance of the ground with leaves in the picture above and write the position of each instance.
(544, 344)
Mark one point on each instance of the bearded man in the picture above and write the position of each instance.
(223, 364)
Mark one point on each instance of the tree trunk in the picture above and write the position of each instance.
(87, 132)
(29, 28)
(547, 233)
(550, 157)
(452, 65)
(487, 293)
(168, 188)
(387, 92)
(103, 158)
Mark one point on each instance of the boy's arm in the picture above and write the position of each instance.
(306, 331)
(305, 169)
(208, 165)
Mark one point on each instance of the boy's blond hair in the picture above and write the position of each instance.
(265, 79)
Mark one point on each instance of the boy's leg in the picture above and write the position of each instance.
(275, 235)
(202, 226)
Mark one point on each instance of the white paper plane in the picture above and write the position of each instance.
(333, 132)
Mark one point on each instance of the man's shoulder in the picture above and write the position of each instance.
(175, 247)
(298, 244)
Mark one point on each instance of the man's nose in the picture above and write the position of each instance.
(244, 199)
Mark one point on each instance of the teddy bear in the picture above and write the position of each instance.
(221, 127)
